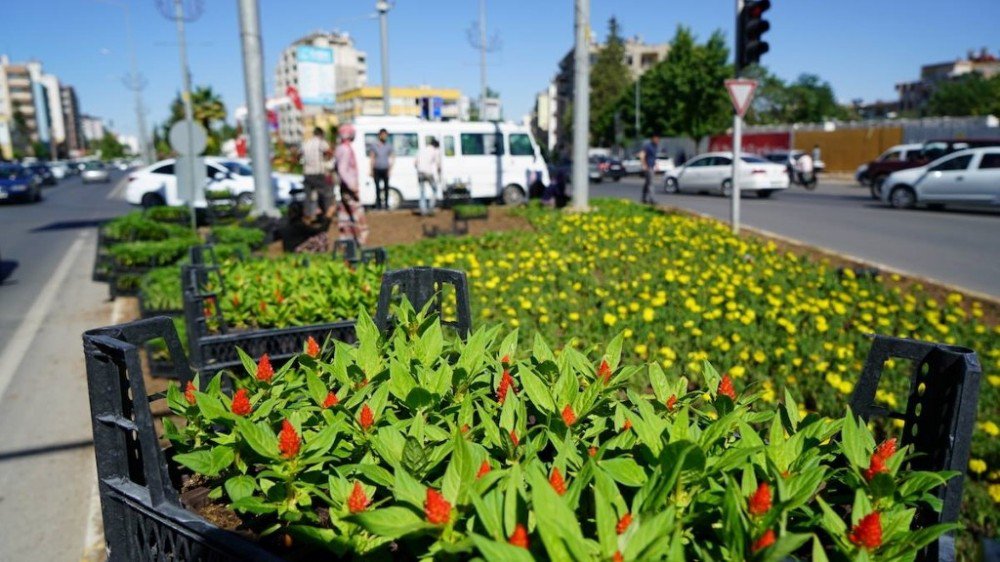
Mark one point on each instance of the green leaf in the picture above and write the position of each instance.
(198, 461)
(389, 522)
(317, 390)
(408, 489)
(856, 441)
(414, 456)
(833, 523)
(786, 544)
(460, 474)
(255, 505)
(540, 350)
(613, 353)
(319, 443)
(658, 380)
(625, 471)
(211, 407)
(239, 487)
(496, 551)
(401, 382)
(538, 392)
(259, 437)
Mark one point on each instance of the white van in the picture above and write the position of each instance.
(494, 160)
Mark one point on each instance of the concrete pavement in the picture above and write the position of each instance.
(956, 246)
(47, 299)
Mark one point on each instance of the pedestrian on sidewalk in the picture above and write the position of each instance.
(648, 158)
(315, 155)
(351, 222)
(428, 165)
(382, 158)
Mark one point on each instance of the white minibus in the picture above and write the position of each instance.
(498, 161)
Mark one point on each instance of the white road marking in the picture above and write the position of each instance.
(13, 353)
(117, 191)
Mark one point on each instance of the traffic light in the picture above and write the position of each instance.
(749, 30)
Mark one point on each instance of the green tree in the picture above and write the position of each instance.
(207, 108)
(684, 95)
(809, 99)
(970, 94)
(609, 81)
(109, 147)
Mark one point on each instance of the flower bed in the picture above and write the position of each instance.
(418, 445)
(684, 289)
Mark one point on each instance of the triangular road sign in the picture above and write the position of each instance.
(741, 92)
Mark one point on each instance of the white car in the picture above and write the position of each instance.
(157, 184)
(967, 177)
(712, 172)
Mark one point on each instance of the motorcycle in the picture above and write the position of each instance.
(807, 180)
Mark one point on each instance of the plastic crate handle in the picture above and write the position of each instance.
(421, 285)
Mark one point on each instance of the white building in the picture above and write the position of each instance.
(93, 128)
(543, 118)
(57, 123)
(317, 78)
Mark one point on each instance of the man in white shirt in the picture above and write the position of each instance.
(315, 154)
(805, 168)
(428, 173)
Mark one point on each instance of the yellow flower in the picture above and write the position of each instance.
(610, 319)
(648, 315)
(994, 490)
(574, 316)
(641, 350)
(759, 356)
(738, 371)
(977, 466)
(994, 380)
(990, 428)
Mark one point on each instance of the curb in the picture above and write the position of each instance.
(992, 300)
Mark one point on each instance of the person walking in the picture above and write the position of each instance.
(648, 158)
(428, 165)
(816, 153)
(351, 222)
(315, 154)
(382, 158)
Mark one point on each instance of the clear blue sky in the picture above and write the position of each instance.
(862, 47)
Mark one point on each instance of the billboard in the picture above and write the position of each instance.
(317, 75)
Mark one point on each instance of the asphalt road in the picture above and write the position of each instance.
(47, 474)
(960, 247)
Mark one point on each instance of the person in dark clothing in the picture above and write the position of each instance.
(382, 157)
(295, 231)
(648, 158)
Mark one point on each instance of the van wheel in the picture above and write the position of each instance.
(513, 195)
(393, 199)
(245, 199)
(150, 200)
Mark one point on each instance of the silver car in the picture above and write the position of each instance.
(94, 172)
(967, 177)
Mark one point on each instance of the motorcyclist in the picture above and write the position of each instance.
(804, 169)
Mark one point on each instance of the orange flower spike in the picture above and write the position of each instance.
(506, 382)
(627, 425)
(312, 348)
(623, 523)
(617, 557)
(366, 418)
(241, 403)
(604, 371)
(672, 402)
(265, 372)
(514, 438)
(484, 469)
(189, 393)
(289, 441)
(557, 482)
(882, 454)
(726, 387)
(592, 451)
(760, 501)
(331, 400)
(436, 508)
(505, 360)
(765, 540)
(868, 532)
(519, 537)
(568, 415)
(358, 501)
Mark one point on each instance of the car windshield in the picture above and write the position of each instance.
(7, 170)
(94, 166)
(754, 159)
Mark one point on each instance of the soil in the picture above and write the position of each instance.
(404, 227)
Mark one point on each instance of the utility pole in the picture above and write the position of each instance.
(734, 201)
(253, 79)
(382, 6)
(479, 41)
(581, 105)
(136, 82)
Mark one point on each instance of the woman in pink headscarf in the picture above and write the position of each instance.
(350, 212)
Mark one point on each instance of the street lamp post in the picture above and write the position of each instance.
(581, 105)
(382, 6)
(253, 77)
(136, 82)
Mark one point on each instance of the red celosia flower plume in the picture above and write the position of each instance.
(672, 402)
(312, 348)
(760, 501)
(289, 441)
(514, 438)
(358, 501)
(557, 482)
(604, 371)
(519, 537)
(868, 532)
(189, 393)
(765, 540)
(568, 415)
(241, 403)
(366, 418)
(882, 454)
(436, 508)
(484, 469)
(265, 372)
(726, 387)
(506, 382)
(331, 400)
(623, 523)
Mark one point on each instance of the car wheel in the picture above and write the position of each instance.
(877, 186)
(765, 193)
(670, 186)
(727, 188)
(513, 195)
(245, 199)
(903, 198)
(150, 200)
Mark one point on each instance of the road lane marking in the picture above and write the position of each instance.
(20, 342)
(117, 191)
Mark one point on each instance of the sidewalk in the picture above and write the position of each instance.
(47, 472)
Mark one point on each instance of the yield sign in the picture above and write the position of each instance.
(741, 92)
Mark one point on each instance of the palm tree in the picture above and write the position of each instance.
(206, 105)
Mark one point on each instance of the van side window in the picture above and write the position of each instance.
(403, 144)
(520, 145)
(449, 145)
(990, 161)
(479, 144)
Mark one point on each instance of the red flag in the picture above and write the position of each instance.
(293, 93)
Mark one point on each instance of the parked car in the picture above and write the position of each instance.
(60, 169)
(967, 177)
(632, 166)
(17, 183)
(931, 150)
(616, 170)
(606, 167)
(712, 172)
(898, 153)
(44, 174)
(157, 184)
(664, 164)
(94, 172)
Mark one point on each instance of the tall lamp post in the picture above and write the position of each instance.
(581, 105)
(253, 77)
(135, 82)
(383, 7)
